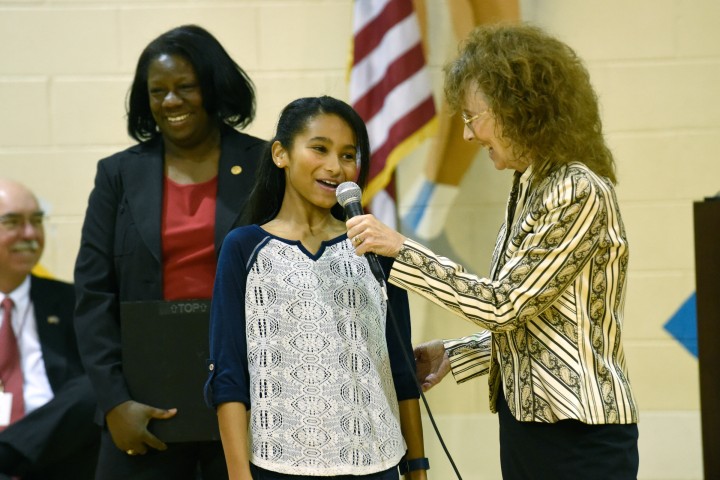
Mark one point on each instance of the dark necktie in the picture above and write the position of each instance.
(512, 203)
(511, 206)
(10, 370)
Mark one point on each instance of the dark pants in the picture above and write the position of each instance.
(181, 461)
(262, 474)
(57, 441)
(566, 450)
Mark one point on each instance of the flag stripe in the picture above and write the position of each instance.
(367, 12)
(368, 72)
(401, 151)
(390, 89)
(369, 37)
(403, 128)
(402, 69)
(397, 103)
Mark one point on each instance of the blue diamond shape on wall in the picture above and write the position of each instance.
(683, 325)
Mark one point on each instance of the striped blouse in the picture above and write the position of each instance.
(552, 307)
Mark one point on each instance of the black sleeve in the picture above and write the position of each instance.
(97, 312)
(398, 335)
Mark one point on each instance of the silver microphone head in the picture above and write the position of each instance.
(347, 192)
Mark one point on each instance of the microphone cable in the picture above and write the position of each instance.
(410, 364)
(349, 197)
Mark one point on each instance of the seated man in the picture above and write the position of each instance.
(46, 402)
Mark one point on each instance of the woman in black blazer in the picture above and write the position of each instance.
(155, 220)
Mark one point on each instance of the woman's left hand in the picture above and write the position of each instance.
(368, 234)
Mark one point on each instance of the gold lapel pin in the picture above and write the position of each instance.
(53, 319)
(236, 170)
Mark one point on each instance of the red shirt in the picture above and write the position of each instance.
(188, 239)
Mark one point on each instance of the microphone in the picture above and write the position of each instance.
(348, 196)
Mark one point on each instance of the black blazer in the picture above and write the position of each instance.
(54, 303)
(62, 428)
(120, 257)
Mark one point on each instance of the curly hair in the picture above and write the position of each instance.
(539, 92)
(228, 93)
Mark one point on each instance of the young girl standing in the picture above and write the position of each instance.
(308, 372)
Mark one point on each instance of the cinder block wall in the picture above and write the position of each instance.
(65, 67)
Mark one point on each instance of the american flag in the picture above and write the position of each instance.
(390, 89)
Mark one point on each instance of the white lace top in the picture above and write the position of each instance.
(320, 379)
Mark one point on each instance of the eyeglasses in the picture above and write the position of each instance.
(13, 222)
(468, 120)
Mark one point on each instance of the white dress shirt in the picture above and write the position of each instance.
(36, 386)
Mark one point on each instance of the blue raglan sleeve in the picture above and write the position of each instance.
(228, 377)
(398, 336)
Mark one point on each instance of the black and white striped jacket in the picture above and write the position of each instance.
(552, 307)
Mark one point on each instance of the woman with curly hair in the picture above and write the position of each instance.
(552, 305)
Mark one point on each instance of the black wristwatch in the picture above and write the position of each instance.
(406, 466)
